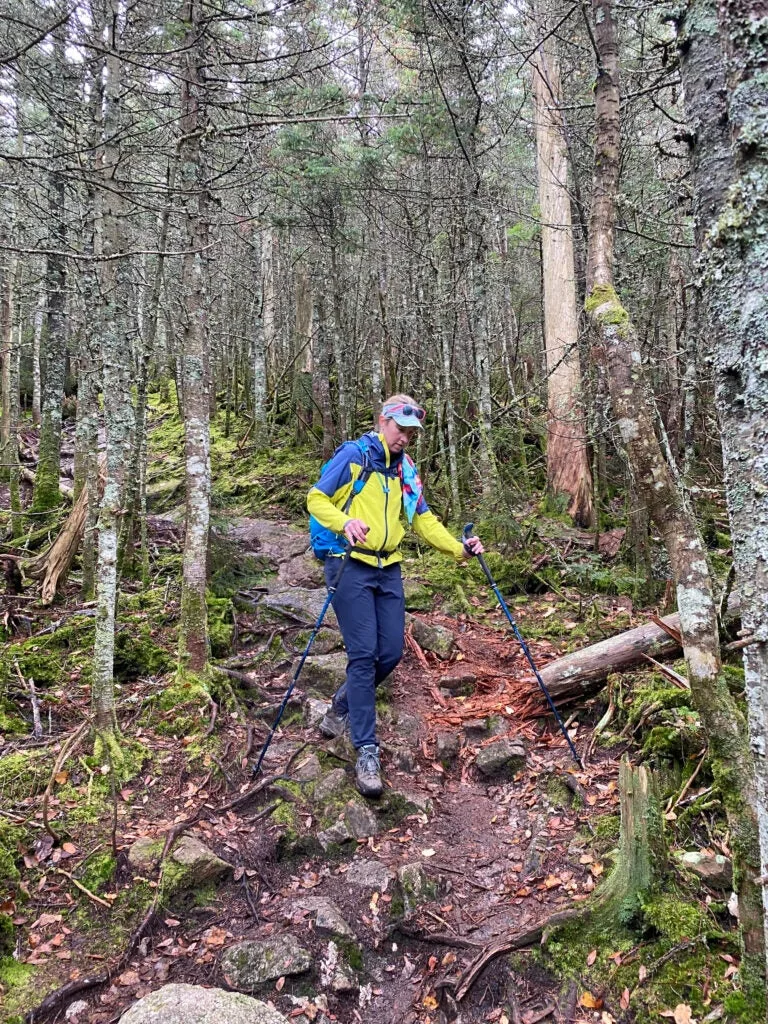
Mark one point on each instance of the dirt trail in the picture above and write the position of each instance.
(497, 854)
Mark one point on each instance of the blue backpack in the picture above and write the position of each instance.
(324, 541)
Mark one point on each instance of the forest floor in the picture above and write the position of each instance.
(391, 901)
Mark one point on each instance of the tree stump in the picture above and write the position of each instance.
(642, 857)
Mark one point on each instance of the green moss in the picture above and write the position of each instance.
(603, 297)
(24, 773)
(99, 871)
(220, 625)
(137, 655)
(12, 839)
(20, 989)
(674, 918)
(351, 952)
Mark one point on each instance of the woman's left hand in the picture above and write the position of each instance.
(473, 546)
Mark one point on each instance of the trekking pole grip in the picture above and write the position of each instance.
(467, 534)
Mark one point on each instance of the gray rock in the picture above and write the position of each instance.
(193, 1004)
(277, 542)
(414, 886)
(328, 918)
(408, 726)
(314, 711)
(461, 684)
(246, 965)
(360, 820)
(74, 1010)
(437, 639)
(330, 786)
(344, 979)
(404, 758)
(713, 869)
(334, 835)
(323, 672)
(200, 865)
(302, 571)
(144, 855)
(447, 747)
(502, 757)
(309, 770)
(296, 603)
(369, 874)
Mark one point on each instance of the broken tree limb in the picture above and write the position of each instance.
(583, 673)
(53, 567)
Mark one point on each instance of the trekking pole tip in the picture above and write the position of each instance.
(468, 529)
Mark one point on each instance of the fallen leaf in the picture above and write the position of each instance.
(592, 956)
(279, 984)
(642, 973)
(430, 1002)
(61, 777)
(69, 848)
(128, 978)
(590, 1002)
(214, 936)
(596, 868)
(624, 1001)
(428, 853)
(682, 1014)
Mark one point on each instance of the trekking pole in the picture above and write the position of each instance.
(331, 591)
(523, 645)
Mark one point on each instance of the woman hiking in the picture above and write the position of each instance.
(369, 600)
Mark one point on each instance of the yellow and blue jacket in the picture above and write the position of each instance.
(379, 504)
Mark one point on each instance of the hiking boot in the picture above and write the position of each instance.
(368, 771)
(333, 723)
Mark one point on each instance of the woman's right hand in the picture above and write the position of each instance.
(355, 531)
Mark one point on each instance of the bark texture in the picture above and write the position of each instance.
(193, 625)
(568, 469)
(617, 345)
(725, 74)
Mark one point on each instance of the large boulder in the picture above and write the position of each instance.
(190, 865)
(246, 965)
(302, 605)
(277, 542)
(193, 1004)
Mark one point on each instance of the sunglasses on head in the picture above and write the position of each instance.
(406, 410)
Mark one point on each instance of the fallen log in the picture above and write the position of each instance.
(584, 672)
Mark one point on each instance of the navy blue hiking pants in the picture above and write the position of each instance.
(370, 607)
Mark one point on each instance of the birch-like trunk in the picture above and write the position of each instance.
(568, 469)
(46, 492)
(723, 63)
(118, 408)
(263, 337)
(37, 335)
(616, 343)
(193, 624)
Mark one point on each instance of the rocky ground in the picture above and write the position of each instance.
(294, 890)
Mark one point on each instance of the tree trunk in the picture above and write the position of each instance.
(118, 408)
(726, 95)
(568, 469)
(616, 343)
(193, 624)
(263, 337)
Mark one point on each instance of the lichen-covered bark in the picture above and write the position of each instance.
(568, 470)
(724, 62)
(193, 623)
(263, 337)
(46, 493)
(616, 343)
(118, 408)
